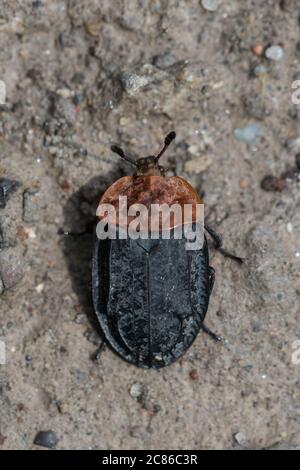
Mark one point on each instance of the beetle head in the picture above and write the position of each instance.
(147, 165)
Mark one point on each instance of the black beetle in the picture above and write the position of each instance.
(151, 295)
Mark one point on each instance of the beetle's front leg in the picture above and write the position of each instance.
(218, 244)
(211, 333)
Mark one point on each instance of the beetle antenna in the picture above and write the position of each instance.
(121, 153)
(170, 137)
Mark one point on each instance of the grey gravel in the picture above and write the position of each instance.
(259, 70)
(274, 53)
(249, 134)
(136, 390)
(241, 438)
(210, 5)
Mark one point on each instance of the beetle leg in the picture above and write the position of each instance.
(212, 276)
(210, 333)
(218, 244)
(98, 352)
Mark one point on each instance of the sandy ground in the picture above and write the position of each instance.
(79, 76)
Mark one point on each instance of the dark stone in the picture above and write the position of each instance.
(46, 439)
(11, 269)
(6, 188)
(273, 183)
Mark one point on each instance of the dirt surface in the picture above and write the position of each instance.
(81, 75)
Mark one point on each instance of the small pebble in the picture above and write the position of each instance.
(39, 288)
(30, 232)
(80, 318)
(259, 70)
(244, 183)
(46, 439)
(273, 183)
(293, 144)
(193, 149)
(63, 407)
(132, 82)
(297, 161)
(124, 121)
(93, 28)
(198, 165)
(194, 374)
(258, 49)
(136, 390)
(249, 133)
(274, 53)
(6, 188)
(65, 92)
(211, 5)
(240, 438)
(289, 227)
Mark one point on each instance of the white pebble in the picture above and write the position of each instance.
(240, 438)
(210, 5)
(30, 232)
(39, 288)
(274, 53)
(249, 133)
(136, 390)
(289, 227)
(65, 92)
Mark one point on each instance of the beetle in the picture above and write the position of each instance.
(151, 295)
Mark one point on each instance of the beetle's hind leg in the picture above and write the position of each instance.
(211, 333)
(218, 245)
(212, 277)
(98, 352)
